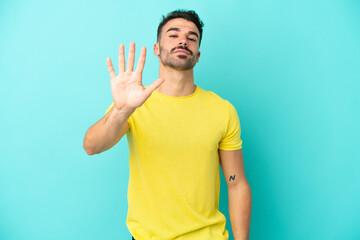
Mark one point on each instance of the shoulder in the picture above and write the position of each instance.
(215, 98)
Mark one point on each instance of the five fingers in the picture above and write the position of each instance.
(130, 61)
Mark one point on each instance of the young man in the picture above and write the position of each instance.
(178, 134)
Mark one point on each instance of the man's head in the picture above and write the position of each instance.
(187, 15)
(179, 37)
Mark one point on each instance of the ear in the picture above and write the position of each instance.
(156, 49)
(198, 56)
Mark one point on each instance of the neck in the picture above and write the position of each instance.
(177, 83)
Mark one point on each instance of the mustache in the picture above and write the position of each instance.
(184, 48)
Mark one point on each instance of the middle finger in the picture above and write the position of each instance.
(131, 57)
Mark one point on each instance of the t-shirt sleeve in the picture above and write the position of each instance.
(231, 140)
(128, 120)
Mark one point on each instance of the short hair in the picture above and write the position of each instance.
(189, 15)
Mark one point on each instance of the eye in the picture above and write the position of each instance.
(172, 36)
(191, 39)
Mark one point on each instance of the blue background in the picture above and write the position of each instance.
(291, 69)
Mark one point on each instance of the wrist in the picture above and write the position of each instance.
(123, 111)
(120, 115)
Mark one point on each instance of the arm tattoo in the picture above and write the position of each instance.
(232, 178)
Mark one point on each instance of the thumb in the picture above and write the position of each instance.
(153, 86)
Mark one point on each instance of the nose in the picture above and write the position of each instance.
(183, 41)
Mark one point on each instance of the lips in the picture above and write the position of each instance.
(182, 51)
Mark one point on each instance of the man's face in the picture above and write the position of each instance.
(178, 46)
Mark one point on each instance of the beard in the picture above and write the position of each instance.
(180, 62)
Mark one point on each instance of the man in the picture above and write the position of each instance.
(178, 134)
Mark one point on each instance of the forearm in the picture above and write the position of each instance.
(240, 210)
(104, 133)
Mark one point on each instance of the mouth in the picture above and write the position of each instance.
(182, 51)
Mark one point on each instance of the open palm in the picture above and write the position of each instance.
(127, 89)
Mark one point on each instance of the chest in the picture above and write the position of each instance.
(189, 127)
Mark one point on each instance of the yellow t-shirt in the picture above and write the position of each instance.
(174, 180)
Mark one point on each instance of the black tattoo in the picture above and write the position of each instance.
(232, 177)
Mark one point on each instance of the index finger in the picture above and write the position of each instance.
(141, 62)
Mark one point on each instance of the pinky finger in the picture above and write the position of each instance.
(110, 68)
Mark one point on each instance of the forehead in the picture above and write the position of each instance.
(182, 24)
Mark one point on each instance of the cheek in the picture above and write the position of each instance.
(195, 50)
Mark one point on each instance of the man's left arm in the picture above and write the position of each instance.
(232, 164)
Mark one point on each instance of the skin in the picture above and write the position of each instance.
(127, 90)
(176, 78)
(178, 82)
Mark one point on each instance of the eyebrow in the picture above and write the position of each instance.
(178, 30)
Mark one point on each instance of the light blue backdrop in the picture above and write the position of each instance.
(291, 69)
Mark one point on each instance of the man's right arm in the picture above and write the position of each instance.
(106, 132)
(128, 94)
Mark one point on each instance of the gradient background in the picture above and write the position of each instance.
(291, 69)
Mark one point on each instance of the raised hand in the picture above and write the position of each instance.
(127, 89)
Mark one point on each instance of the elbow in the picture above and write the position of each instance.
(242, 185)
(88, 150)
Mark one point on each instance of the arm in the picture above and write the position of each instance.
(106, 132)
(128, 94)
(239, 192)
